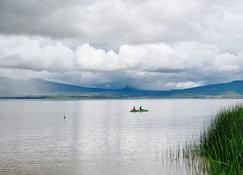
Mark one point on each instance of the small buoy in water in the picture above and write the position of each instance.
(64, 115)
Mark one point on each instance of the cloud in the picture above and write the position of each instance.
(187, 63)
(146, 44)
(111, 22)
(42, 54)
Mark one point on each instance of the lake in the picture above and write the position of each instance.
(100, 137)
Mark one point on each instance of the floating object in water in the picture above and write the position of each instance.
(143, 110)
(64, 115)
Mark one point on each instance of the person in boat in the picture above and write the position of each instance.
(140, 108)
(134, 109)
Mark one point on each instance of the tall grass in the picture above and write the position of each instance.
(220, 148)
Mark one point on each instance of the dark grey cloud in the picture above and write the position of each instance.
(99, 22)
(37, 17)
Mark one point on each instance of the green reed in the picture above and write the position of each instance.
(220, 148)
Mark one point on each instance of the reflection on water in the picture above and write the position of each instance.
(99, 137)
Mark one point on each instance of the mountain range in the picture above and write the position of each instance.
(42, 89)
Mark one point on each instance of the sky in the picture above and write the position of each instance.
(144, 44)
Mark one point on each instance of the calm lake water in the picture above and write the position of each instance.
(99, 137)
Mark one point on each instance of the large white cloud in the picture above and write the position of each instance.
(48, 55)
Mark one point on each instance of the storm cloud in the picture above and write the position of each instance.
(145, 44)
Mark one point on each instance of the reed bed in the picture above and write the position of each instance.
(220, 148)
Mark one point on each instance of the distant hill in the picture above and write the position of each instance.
(215, 89)
(42, 89)
(232, 89)
(37, 87)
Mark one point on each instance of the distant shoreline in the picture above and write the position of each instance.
(108, 98)
(42, 89)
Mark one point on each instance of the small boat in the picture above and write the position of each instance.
(142, 110)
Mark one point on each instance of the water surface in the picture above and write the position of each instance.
(99, 137)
